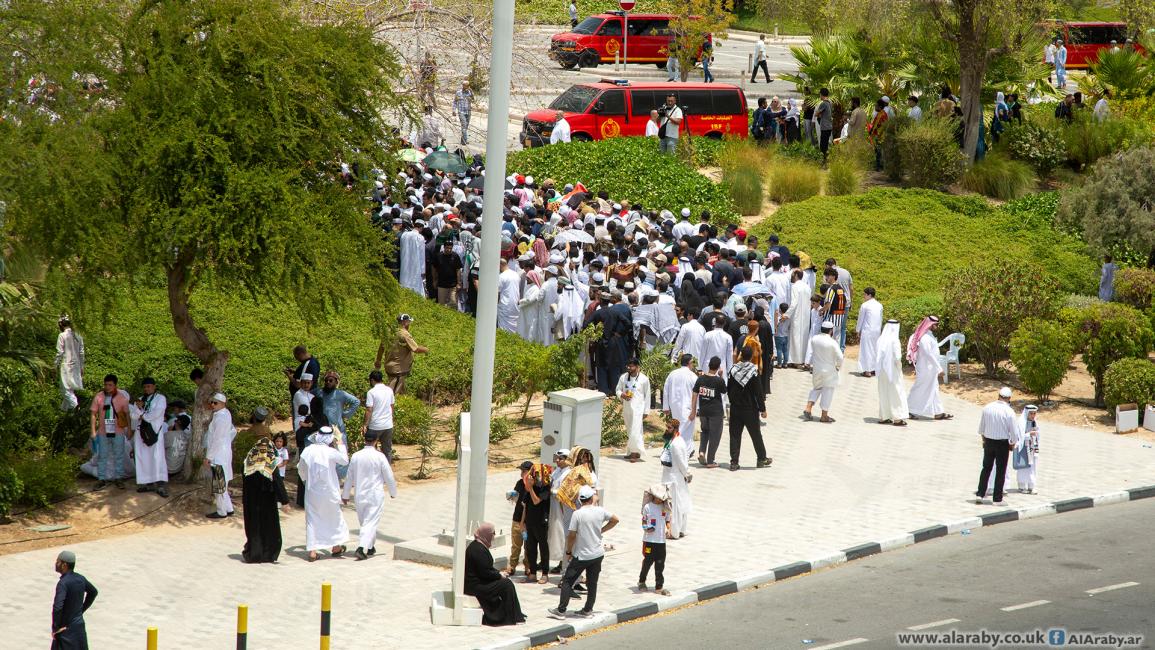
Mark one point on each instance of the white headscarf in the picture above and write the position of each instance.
(791, 108)
(1023, 439)
(889, 350)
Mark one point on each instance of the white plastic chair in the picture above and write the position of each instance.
(953, 342)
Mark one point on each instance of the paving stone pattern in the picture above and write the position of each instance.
(834, 490)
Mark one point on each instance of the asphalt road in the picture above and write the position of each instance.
(1088, 571)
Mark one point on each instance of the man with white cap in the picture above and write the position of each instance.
(684, 228)
(999, 432)
(302, 399)
(148, 431)
(826, 360)
(370, 472)
(399, 363)
(325, 527)
(219, 455)
(561, 129)
(585, 551)
(74, 595)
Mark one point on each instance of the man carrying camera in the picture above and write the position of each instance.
(670, 119)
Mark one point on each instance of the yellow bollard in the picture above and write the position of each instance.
(242, 627)
(326, 607)
(152, 638)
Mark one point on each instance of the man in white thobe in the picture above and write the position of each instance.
(777, 282)
(799, 314)
(891, 388)
(370, 473)
(302, 398)
(922, 351)
(676, 475)
(677, 396)
(869, 327)
(689, 339)
(325, 527)
(412, 253)
(634, 391)
(528, 307)
(219, 453)
(150, 461)
(547, 307)
(508, 296)
(718, 343)
(561, 130)
(826, 360)
(70, 363)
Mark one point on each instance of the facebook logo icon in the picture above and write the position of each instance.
(1056, 636)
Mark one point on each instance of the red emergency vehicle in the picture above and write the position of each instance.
(611, 108)
(1084, 40)
(598, 38)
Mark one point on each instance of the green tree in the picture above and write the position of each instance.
(1109, 332)
(1041, 351)
(690, 27)
(1115, 206)
(194, 144)
(988, 302)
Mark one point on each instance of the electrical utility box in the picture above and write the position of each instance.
(571, 417)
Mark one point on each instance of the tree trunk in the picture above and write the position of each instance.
(197, 342)
(973, 66)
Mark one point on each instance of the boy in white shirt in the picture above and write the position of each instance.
(655, 528)
(379, 416)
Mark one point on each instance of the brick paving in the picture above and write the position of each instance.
(831, 486)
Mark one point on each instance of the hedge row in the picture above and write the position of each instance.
(628, 169)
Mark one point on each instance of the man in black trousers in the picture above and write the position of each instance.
(747, 405)
(999, 432)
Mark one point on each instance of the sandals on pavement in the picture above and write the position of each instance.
(943, 416)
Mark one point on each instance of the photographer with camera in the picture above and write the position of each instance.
(670, 119)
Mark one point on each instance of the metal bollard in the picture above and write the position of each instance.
(617, 61)
(242, 627)
(152, 638)
(326, 607)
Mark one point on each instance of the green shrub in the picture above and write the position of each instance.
(1130, 381)
(910, 312)
(500, 429)
(628, 168)
(1110, 332)
(614, 432)
(745, 188)
(930, 156)
(656, 365)
(1135, 287)
(10, 490)
(1112, 207)
(792, 181)
(1088, 140)
(843, 177)
(412, 418)
(999, 177)
(987, 302)
(891, 156)
(707, 150)
(801, 150)
(45, 477)
(1036, 145)
(1035, 210)
(1041, 351)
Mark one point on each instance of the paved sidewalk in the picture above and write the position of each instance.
(831, 487)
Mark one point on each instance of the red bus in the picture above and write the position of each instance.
(613, 108)
(598, 38)
(1084, 40)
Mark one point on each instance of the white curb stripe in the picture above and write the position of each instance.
(754, 580)
(828, 561)
(841, 644)
(896, 542)
(1112, 497)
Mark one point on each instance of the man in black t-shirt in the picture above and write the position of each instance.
(448, 266)
(535, 521)
(706, 402)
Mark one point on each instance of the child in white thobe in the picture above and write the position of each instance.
(369, 471)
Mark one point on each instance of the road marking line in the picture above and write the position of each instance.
(927, 626)
(1033, 603)
(1121, 585)
(841, 644)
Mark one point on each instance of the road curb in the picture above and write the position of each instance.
(786, 571)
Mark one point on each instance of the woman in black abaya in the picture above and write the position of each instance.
(259, 500)
(495, 592)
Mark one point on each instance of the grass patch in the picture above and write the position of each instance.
(138, 340)
(792, 181)
(744, 167)
(904, 242)
(843, 177)
(750, 19)
(999, 177)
